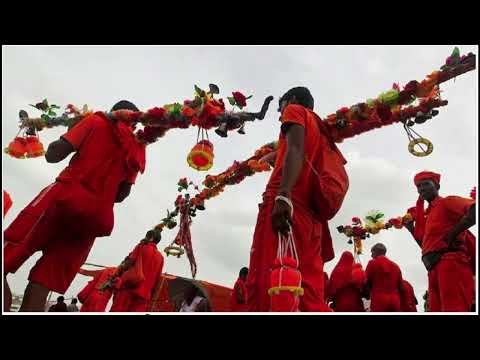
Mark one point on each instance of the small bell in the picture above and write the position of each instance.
(421, 117)
(242, 129)
(350, 241)
(222, 130)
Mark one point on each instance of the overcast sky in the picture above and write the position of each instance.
(379, 165)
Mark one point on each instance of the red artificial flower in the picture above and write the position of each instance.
(384, 112)
(356, 220)
(240, 99)
(344, 110)
(188, 111)
(156, 113)
(473, 193)
(411, 87)
(178, 200)
(358, 231)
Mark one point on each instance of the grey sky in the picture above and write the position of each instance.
(379, 165)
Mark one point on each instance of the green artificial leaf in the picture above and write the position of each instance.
(45, 117)
(249, 97)
(54, 107)
(52, 113)
(456, 52)
(231, 100)
(369, 218)
(199, 91)
(45, 102)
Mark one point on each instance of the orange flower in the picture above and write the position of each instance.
(188, 111)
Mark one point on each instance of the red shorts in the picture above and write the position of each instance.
(36, 229)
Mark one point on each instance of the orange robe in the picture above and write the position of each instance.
(7, 202)
(312, 238)
(106, 155)
(137, 299)
(450, 282)
(342, 290)
(385, 280)
(92, 298)
(408, 300)
(234, 305)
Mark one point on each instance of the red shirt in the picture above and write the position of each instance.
(383, 275)
(296, 114)
(441, 216)
(106, 154)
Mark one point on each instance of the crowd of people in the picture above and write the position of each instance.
(66, 217)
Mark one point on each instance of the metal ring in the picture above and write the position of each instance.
(412, 143)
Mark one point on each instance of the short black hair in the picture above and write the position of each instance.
(243, 271)
(74, 300)
(154, 235)
(301, 94)
(124, 105)
(60, 299)
(379, 248)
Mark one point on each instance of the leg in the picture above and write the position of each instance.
(311, 266)
(34, 298)
(7, 295)
(262, 255)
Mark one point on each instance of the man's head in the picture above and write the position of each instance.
(378, 250)
(124, 105)
(74, 301)
(297, 95)
(428, 184)
(153, 236)
(243, 273)
(190, 292)
(60, 299)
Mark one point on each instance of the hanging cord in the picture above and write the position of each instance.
(410, 134)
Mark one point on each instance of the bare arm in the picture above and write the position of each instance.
(58, 151)
(465, 223)
(293, 163)
(123, 191)
(292, 166)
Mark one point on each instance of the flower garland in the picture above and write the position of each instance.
(388, 107)
(374, 223)
(203, 111)
(187, 204)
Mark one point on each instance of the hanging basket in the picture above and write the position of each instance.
(17, 148)
(201, 156)
(34, 147)
(285, 285)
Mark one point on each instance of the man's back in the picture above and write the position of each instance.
(72, 308)
(100, 162)
(152, 261)
(383, 275)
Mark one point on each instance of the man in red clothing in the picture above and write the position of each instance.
(66, 217)
(408, 300)
(344, 292)
(150, 260)
(92, 296)
(384, 280)
(238, 299)
(447, 246)
(289, 190)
